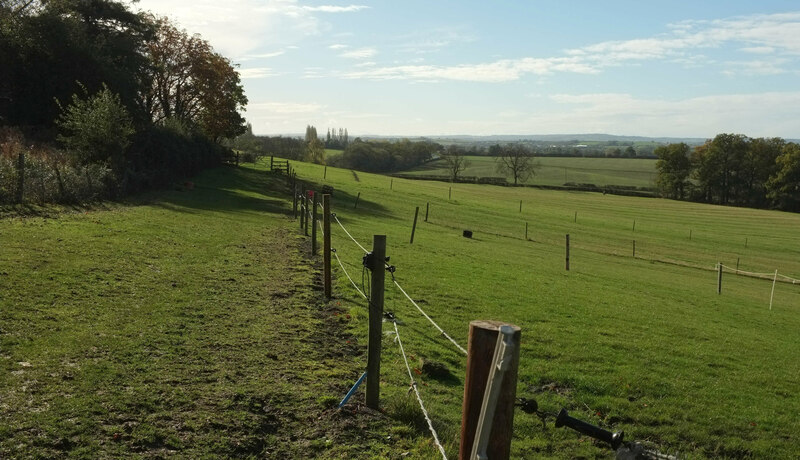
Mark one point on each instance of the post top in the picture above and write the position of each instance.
(491, 325)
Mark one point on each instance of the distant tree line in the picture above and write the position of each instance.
(385, 156)
(732, 169)
(337, 139)
(98, 100)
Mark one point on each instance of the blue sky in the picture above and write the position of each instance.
(671, 68)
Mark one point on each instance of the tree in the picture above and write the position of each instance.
(760, 163)
(719, 166)
(96, 130)
(192, 83)
(674, 167)
(456, 160)
(516, 161)
(784, 187)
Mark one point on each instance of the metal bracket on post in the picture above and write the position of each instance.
(503, 353)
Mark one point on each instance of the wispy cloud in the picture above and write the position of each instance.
(337, 46)
(335, 9)
(285, 107)
(684, 44)
(360, 53)
(257, 72)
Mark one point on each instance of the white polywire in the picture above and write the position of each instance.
(348, 276)
(416, 391)
(348, 234)
(761, 275)
(429, 318)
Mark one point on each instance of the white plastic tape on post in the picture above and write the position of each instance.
(503, 352)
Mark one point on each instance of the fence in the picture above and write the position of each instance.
(485, 402)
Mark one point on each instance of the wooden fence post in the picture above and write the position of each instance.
(294, 201)
(567, 251)
(302, 206)
(306, 200)
(414, 227)
(326, 244)
(719, 277)
(427, 208)
(526, 231)
(482, 341)
(271, 162)
(520, 205)
(450, 193)
(378, 259)
(391, 184)
(634, 225)
(357, 198)
(576, 217)
(314, 224)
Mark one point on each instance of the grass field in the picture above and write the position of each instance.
(190, 324)
(559, 171)
(626, 343)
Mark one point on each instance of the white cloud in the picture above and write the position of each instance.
(284, 108)
(756, 114)
(335, 9)
(337, 46)
(236, 28)
(257, 72)
(493, 72)
(360, 53)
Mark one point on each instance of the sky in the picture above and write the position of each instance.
(426, 68)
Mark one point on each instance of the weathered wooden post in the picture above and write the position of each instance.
(481, 350)
(294, 201)
(427, 208)
(520, 205)
(314, 223)
(634, 225)
(307, 202)
(271, 162)
(719, 277)
(414, 227)
(576, 217)
(567, 251)
(391, 184)
(450, 193)
(376, 261)
(357, 198)
(737, 265)
(302, 205)
(326, 244)
(526, 231)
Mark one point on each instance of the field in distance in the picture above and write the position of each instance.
(643, 344)
(556, 171)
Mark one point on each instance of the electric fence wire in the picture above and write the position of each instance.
(460, 348)
(760, 275)
(347, 274)
(416, 391)
(428, 317)
(348, 234)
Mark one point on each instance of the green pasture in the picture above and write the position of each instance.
(559, 171)
(641, 344)
(189, 323)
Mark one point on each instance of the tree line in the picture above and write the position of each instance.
(97, 97)
(732, 169)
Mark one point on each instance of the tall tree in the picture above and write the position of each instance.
(517, 161)
(192, 83)
(784, 187)
(456, 160)
(719, 166)
(674, 167)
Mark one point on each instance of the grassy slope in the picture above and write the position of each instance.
(558, 171)
(189, 326)
(626, 343)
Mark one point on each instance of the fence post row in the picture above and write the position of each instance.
(483, 338)
(294, 200)
(326, 244)
(414, 227)
(375, 262)
(306, 201)
(314, 223)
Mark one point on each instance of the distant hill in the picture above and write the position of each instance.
(577, 138)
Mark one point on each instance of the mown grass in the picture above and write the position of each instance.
(559, 171)
(626, 343)
(187, 324)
